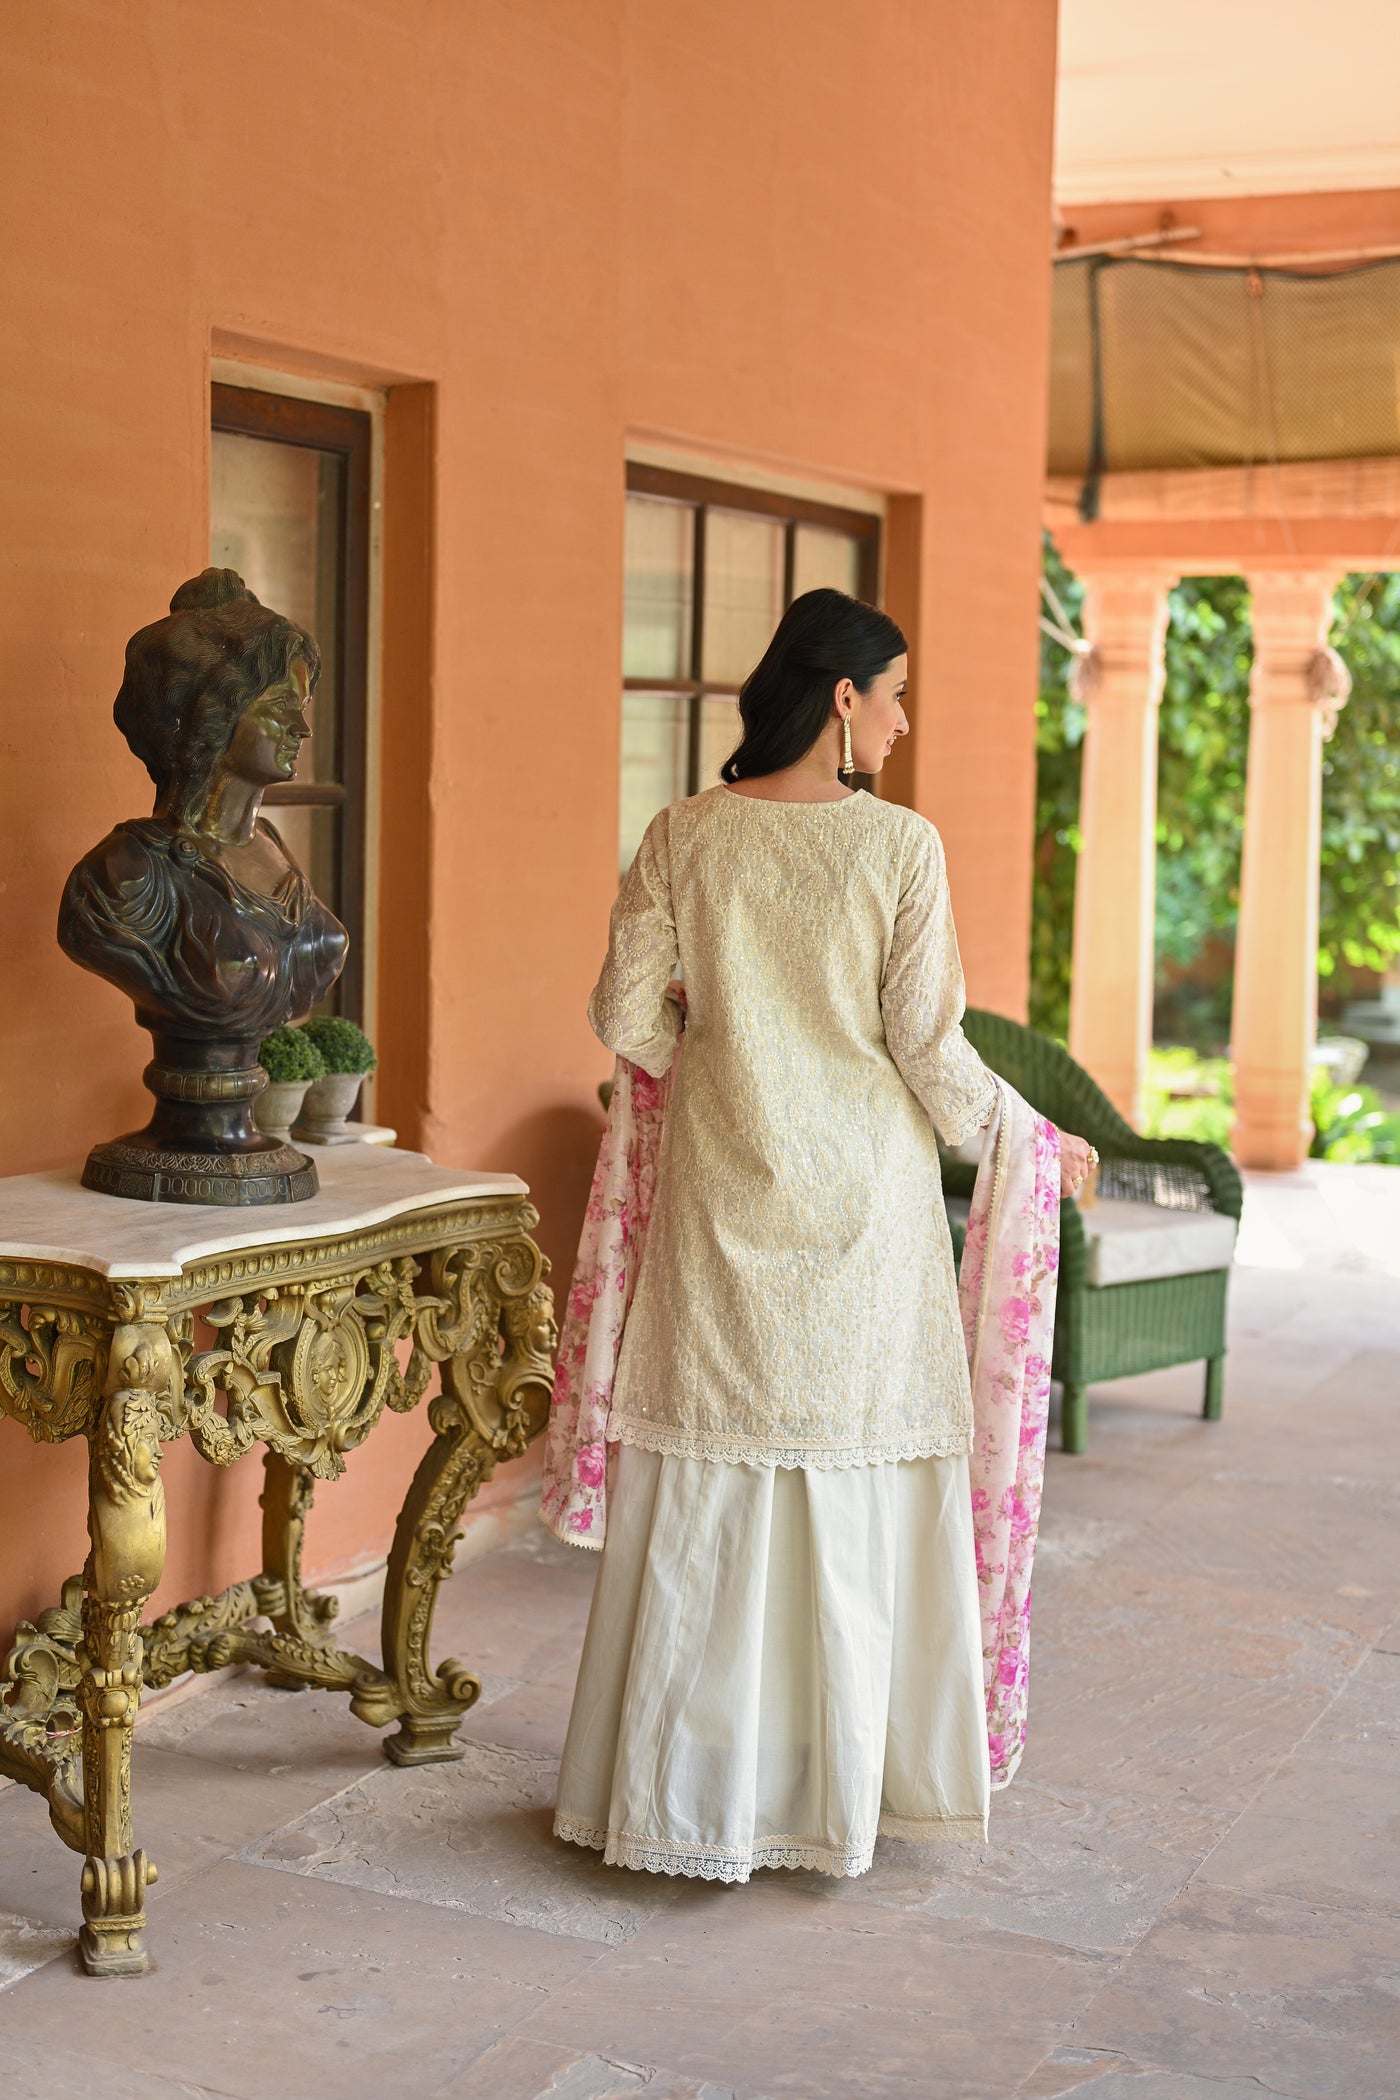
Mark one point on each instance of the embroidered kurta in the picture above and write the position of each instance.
(796, 1304)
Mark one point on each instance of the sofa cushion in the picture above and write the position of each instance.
(1140, 1242)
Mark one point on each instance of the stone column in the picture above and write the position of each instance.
(1296, 688)
(1110, 1010)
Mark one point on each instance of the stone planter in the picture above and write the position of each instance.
(277, 1107)
(328, 1103)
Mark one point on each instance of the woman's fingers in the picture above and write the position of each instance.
(1077, 1158)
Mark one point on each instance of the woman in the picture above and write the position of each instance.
(784, 1653)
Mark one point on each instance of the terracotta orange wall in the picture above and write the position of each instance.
(812, 234)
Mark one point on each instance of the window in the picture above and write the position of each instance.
(709, 569)
(289, 509)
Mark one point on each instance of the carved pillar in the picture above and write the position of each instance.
(1296, 688)
(126, 1521)
(1110, 1014)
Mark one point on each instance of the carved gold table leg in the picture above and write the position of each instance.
(296, 1615)
(126, 1520)
(496, 1376)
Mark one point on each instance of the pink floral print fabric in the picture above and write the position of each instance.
(1006, 1294)
(574, 1504)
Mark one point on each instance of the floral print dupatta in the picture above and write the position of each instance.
(1006, 1292)
(1007, 1295)
(574, 1505)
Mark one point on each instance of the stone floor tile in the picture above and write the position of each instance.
(1171, 1692)
(1300, 1538)
(520, 1612)
(1362, 1725)
(1082, 1869)
(273, 1990)
(186, 1814)
(1104, 2074)
(1323, 1830)
(36, 2069)
(530, 1717)
(251, 1726)
(475, 1836)
(1300, 1998)
(772, 1989)
(516, 2069)
(25, 1947)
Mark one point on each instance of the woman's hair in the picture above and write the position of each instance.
(786, 702)
(191, 676)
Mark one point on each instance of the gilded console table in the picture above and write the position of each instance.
(312, 1318)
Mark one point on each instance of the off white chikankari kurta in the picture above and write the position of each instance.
(784, 1651)
(797, 1303)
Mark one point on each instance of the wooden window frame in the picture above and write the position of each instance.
(700, 494)
(347, 432)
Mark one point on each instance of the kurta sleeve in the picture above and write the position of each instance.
(629, 1010)
(922, 999)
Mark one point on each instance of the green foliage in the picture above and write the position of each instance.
(1059, 734)
(344, 1047)
(1360, 902)
(289, 1054)
(1351, 1123)
(1188, 1096)
(1202, 746)
(1201, 783)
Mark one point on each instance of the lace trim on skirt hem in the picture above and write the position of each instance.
(950, 1442)
(622, 1848)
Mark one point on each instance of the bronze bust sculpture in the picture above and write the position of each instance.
(198, 913)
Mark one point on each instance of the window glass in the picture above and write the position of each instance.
(655, 755)
(730, 554)
(743, 593)
(824, 560)
(659, 564)
(720, 729)
(275, 513)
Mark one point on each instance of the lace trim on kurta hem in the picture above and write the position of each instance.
(752, 1451)
(622, 1848)
(920, 1830)
(957, 1130)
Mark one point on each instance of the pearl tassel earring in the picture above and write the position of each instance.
(848, 763)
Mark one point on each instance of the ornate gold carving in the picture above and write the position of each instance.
(307, 1368)
(51, 1369)
(39, 1722)
(126, 1522)
(493, 1346)
(308, 1354)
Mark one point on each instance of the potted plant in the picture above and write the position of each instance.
(291, 1062)
(347, 1055)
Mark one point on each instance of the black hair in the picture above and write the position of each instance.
(786, 701)
(191, 676)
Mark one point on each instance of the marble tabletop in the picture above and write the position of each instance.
(51, 1217)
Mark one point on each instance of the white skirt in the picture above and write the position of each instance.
(779, 1664)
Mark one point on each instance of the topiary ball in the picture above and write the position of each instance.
(344, 1047)
(290, 1054)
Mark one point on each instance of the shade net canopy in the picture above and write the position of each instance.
(1158, 364)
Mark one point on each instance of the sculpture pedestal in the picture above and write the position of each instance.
(309, 1307)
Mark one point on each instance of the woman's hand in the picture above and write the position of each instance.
(675, 992)
(1077, 1159)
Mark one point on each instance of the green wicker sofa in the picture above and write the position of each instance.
(1116, 1329)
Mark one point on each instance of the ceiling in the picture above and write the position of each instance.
(1219, 98)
